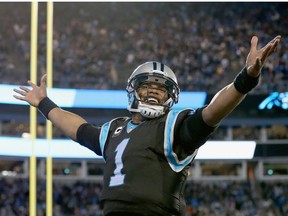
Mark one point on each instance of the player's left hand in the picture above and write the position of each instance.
(256, 58)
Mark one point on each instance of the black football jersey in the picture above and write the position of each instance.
(142, 174)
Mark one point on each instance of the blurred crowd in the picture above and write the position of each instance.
(97, 45)
(237, 198)
(215, 198)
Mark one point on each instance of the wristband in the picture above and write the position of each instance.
(45, 106)
(245, 83)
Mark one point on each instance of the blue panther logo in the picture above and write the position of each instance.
(278, 99)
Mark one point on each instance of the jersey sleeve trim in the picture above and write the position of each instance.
(103, 135)
(175, 164)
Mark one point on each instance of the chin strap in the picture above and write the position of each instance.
(148, 110)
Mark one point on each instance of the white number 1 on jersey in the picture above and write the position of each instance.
(118, 178)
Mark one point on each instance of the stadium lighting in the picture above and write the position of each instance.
(64, 148)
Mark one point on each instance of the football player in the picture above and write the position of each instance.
(147, 155)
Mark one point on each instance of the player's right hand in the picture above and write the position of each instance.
(34, 94)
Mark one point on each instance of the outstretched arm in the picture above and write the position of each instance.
(66, 121)
(227, 99)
